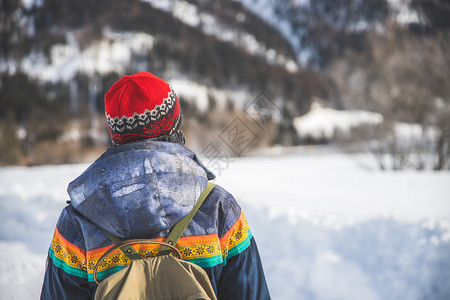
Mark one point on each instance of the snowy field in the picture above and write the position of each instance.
(328, 226)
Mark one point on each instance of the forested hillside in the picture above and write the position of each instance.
(59, 57)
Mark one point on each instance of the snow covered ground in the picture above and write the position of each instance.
(327, 226)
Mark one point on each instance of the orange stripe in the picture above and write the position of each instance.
(96, 253)
(198, 239)
(182, 242)
(68, 245)
(190, 247)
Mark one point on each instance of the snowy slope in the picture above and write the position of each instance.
(327, 226)
(189, 14)
(115, 51)
(276, 14)
(322, 122)
(112, 53)
(288, 16)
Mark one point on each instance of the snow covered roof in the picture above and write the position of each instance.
(322, 122)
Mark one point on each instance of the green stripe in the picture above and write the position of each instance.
(202, 262)
(79, 272)
(239, 248)
(207, 261)
(65, 267)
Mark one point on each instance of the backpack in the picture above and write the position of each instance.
(162, 277)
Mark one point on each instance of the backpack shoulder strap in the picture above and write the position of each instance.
(180, 227)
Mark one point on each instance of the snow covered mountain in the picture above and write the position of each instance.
(321, 30)
(66, 53)
(63, 56)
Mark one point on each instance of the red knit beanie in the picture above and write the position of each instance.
(141, 106)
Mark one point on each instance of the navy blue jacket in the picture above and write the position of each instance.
(141, 190)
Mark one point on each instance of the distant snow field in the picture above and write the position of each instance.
(327, 226)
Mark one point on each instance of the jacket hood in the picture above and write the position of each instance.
(140, 189)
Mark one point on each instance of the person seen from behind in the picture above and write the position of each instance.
(140, 189)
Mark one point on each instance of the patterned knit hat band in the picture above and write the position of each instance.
(141, 106)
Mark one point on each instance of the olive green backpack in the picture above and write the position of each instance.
(162, 277)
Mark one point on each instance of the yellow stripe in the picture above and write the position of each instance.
(191, 248)
(237, 234)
